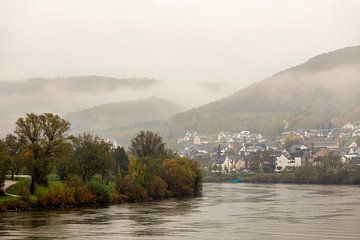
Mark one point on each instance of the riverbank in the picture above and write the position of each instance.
(75, 193)
(301, 175)
(219, 177)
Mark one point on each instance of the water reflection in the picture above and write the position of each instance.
(224, 211)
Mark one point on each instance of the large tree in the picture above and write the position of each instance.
(42, 137)
(3, 157)
(121, 161)
(92, 155)
(147, 144)
(15, 160)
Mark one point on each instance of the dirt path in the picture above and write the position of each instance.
(7, 184)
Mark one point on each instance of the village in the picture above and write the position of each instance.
(247, 151)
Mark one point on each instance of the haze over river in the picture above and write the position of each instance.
(224, 211)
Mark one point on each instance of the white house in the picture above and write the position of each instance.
(221, 137)
(356, 133)
(348, 126)
(233, 164)
(353, 145)
(228, 164)
(283, 162)
(197, 140)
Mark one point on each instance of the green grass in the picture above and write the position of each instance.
(5, 198)
(16, 188)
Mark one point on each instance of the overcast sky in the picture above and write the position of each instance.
(171, 40)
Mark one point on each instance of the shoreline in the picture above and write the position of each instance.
(84, 206)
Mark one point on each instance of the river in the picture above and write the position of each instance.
(224, 211)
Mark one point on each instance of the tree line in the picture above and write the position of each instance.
(86, 166)
(329, 171)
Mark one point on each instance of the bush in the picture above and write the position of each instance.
(158, 188)
(57, 195)
(16, 204)
(24, 192)
(117, 197)
(182, 176)
(101, 191)
(133, 191)
(82, 193)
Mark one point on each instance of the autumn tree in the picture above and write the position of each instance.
(182, 175)
(147, 144)
(121, 160)
(293, 139)
(91, 156)
(42, 137)
(15, 160)
(3, 157)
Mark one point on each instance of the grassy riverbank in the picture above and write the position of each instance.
(74, 192)
(218, 177)
(327, 173)
(70, 171)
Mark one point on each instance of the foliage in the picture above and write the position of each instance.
(293, 139)
(82, 192)
(158, 188)
(15, 204)
(182, 176)
(329, 172)
(83, 163)
(41, 137)
(91, 156)
(15, 161)
(101, 191)
(57, 195)
(133, 190)
(19, 186)
(147, 144)
(3, 156)
(121, 160)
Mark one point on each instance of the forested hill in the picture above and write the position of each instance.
(324, 90)
(64, 94)
(122, 114)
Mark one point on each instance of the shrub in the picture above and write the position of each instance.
(57, 195)
(16, 204)
(132, 190)
(24, 192)
(82, 193)
(182, 176)
(158, 188)
(101, 191)
(117, 197)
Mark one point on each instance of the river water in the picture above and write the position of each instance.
(224, 211)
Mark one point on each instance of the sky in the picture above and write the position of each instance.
(201, 50)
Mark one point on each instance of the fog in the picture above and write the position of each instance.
(198, 51)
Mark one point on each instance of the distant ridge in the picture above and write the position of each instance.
(85, 83)
(320, 92)
(122, 114)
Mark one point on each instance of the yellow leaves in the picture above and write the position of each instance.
(137, 170)
(28, 153)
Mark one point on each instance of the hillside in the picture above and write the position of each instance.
(64, 94)
(324, 90)
(122, 114)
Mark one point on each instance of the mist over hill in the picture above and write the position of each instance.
(320, 92)
(64, 94)
(79, 84)
(122, 114)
